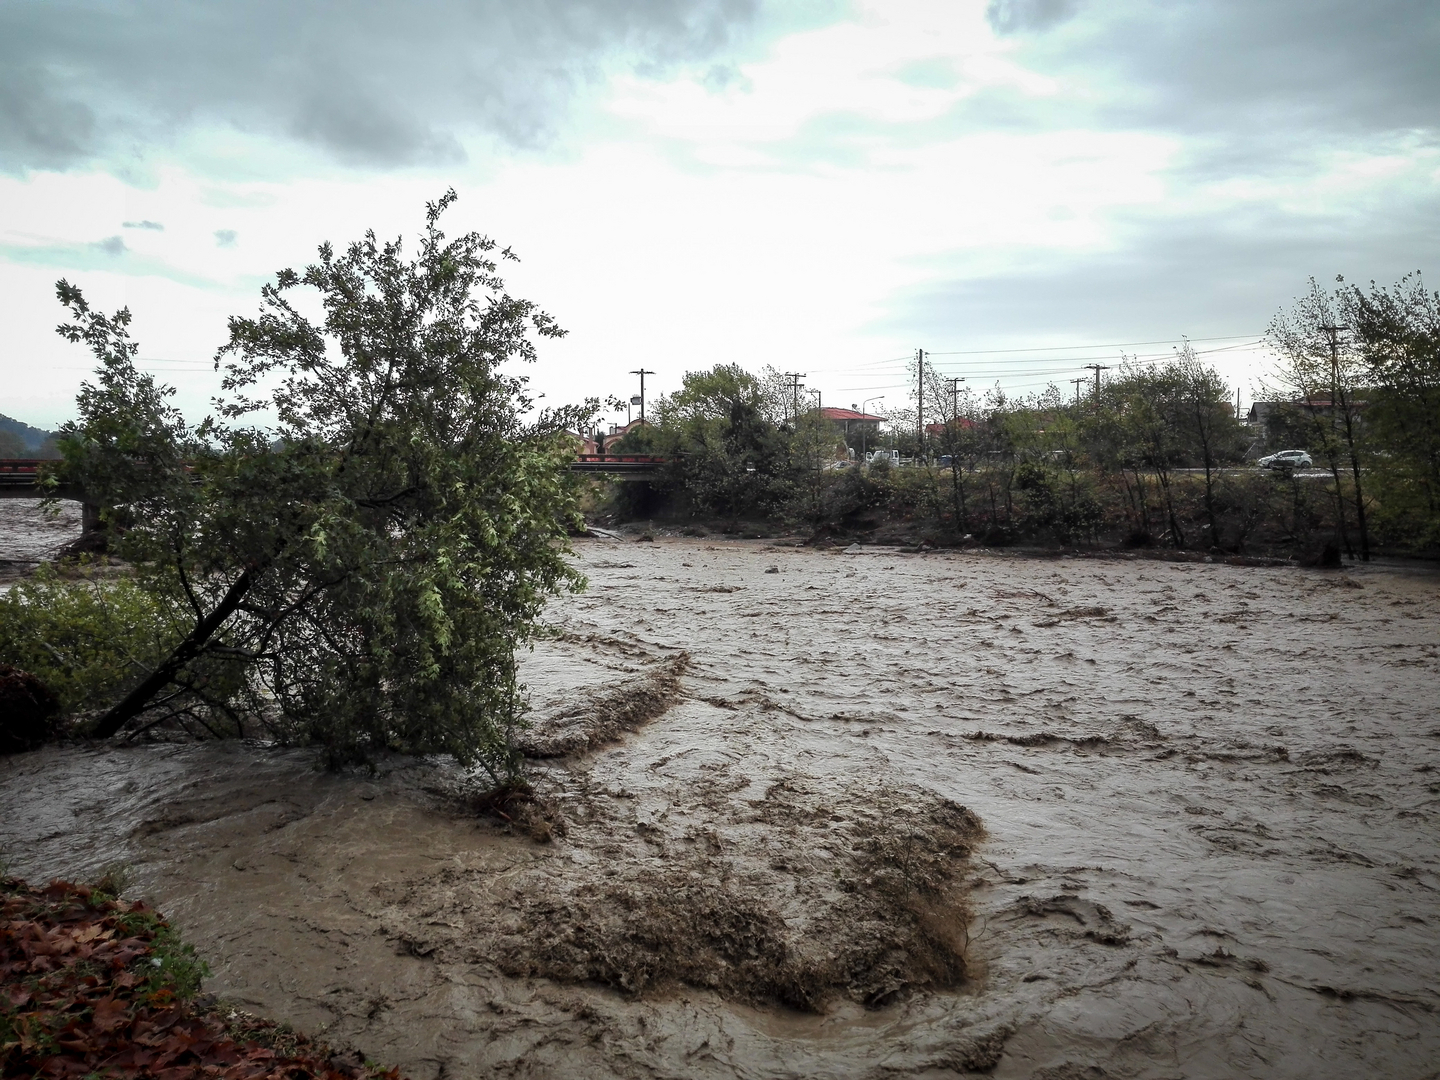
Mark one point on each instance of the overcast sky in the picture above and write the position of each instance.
(1020, 186)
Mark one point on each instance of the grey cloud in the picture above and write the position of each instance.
(1246, 89)
(369, 81)
(155, 226)
(111, 245)
(1202, 275)
(226, 237)
(723, 76)
(39, 126)
(1281, 69)
(1264, 92)
(1014, 16)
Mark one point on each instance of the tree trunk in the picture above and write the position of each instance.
(134, 702)
(1340, 506)
(1204, 433)
(1328, 442)
(1177, 535)
(1143, 503)
(962, 518)
(1360, 522)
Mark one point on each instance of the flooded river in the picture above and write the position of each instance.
(884, 815)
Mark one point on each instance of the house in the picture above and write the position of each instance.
(595, 443)
(848, 420)
(936, 431)
(1282, 425)
(618, 432)
(584, 444)
(1261, 411)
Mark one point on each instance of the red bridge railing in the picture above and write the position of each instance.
(633, 459)
(19, 470)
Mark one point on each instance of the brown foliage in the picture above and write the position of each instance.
(82, 992)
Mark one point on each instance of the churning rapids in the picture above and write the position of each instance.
(868, 814)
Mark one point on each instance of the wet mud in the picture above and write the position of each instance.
(872, 815)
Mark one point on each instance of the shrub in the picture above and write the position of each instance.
(85, 639)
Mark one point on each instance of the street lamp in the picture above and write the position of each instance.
(862, 422)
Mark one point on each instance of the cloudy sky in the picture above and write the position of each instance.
(1021, 187)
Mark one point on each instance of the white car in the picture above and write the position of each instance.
(1286, 459)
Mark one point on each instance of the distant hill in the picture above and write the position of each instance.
(18, 439)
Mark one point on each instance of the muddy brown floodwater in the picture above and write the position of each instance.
(30, 532)
(816, 814)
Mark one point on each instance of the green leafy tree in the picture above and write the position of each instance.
(1398, 333)
(1324, 367)
(1001, 426)
(1151, 405)
(357, 542)
(1291, 426)
(730, 455)
(1051, 467)
(1106, 431)
(1208, 421)
(960, 440)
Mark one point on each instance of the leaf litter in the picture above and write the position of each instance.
(92, 985)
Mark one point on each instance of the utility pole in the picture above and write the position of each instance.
(955, 399)
(920, 401)
(1078, 382)
(1097, 368)
(795, 384)
(642, 373)
(1333, 334)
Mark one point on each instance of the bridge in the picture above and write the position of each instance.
(20, 479)
(618, 464)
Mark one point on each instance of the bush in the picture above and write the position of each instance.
(84, 639)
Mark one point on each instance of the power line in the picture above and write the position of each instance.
(1071, 348)
(1055, 348)
(993, 366)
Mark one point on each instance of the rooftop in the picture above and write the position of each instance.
(849, 414)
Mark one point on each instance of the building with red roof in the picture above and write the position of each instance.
(846, 419)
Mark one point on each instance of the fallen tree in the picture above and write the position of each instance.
(351, 548)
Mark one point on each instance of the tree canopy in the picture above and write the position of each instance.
(350, 549)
